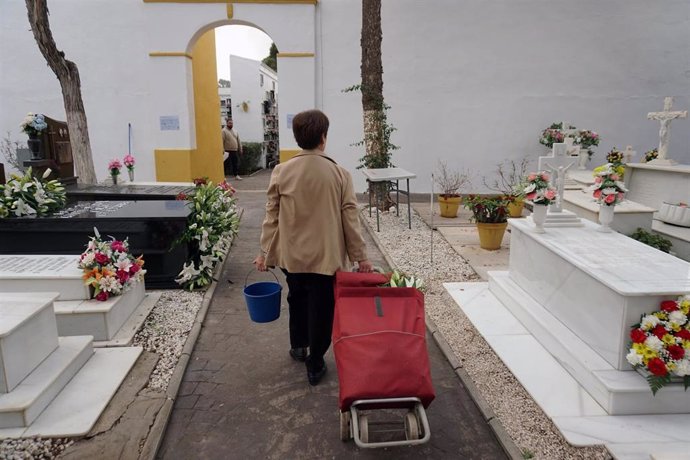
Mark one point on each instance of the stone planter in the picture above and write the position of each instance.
(674, 214)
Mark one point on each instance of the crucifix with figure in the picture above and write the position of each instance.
(665, 117)
(557, 164)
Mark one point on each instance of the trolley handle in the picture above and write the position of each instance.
(246, 278)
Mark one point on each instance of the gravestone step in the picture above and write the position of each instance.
(22, 405)
(628, 215)
(679, 237)
(101, 319)
(619, 392)
(28, 334)
(32, 273)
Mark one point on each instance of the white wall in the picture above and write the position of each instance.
(469, 82)
(244, 75)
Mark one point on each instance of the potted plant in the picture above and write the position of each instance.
(539, 191)
(509, 181)
(451, 182)
(491, 216)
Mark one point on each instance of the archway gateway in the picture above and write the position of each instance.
(191, 80)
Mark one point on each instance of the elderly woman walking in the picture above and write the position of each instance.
(311, 230)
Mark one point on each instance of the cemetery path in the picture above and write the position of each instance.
(242, 396)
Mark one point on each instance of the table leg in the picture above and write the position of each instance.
(378, 200)
(409, 212)
(397, 198)
(369, 193)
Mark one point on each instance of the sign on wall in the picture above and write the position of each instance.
(290, 116)
(170, 123)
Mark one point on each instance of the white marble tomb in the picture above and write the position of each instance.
(54, 273)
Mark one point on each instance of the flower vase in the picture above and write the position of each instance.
(606, 217)
(582, 159)
(539, 217)
(131, 175)
(34, 144)
(114, 176)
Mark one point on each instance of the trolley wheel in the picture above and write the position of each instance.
(364, 428)
(345, 434)
(411, 426)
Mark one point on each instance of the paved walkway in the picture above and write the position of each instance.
(243, 397)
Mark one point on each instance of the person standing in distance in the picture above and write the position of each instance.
(311, 230)
(233, 147)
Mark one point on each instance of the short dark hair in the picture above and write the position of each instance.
(309, 127)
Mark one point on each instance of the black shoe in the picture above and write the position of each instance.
(315, 377)
(298, 354)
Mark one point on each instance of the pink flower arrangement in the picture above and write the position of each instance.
(114, 166)
(109, 268)
(129, 161)
(607, 188)
(538, 190)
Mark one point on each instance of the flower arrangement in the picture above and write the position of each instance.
(30, 196)
(211, 227)
(400, 279)
(651, 155)
(607, 188)
(615, 156)
(538, 190)
(129, 162)
(487, 209)
(587, 139)
(109, 268)
(33, 124)
(114, 167)
(554, 134)
(661, 344)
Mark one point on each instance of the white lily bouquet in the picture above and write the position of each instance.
(400, 279)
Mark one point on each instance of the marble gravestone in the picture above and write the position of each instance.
(134, 192)
(151, 226)
(557, 165)
(32, 273)
(665, 117)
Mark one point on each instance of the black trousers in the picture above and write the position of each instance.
(311, 302)
(234, 160)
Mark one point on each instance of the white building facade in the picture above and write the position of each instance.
(470, 83)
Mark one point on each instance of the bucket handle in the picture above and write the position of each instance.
(253, 270)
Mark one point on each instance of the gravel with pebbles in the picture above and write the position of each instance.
(165, 332)
(32, 448)
(525, 422)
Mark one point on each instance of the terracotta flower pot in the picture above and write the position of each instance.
(491, 235)
(449, 205)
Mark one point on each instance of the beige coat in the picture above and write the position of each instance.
(312, 222)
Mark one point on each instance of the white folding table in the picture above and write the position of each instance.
(391, 175)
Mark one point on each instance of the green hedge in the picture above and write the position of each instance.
(249, 160)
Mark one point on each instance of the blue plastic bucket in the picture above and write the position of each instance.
(263, 300)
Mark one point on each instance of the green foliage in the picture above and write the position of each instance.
(527, 454)
(387, 147)
(272, 59)
(31, 196)
(652, 239)
(487, 209)
(211, 226)
(249, 160)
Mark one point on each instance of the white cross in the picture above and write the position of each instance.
(628, 153)
(665, 118)
(558, 163)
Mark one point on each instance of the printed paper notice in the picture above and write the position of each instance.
(170, 123)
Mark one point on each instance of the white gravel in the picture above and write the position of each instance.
(524, 421)
(165, 331)
(32, 448)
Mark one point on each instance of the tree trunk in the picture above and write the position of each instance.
(68, 76)
(372, 91)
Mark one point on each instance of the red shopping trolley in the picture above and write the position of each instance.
(379, 342)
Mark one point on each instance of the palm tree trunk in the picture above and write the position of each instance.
(68, 76)
(372, 92)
